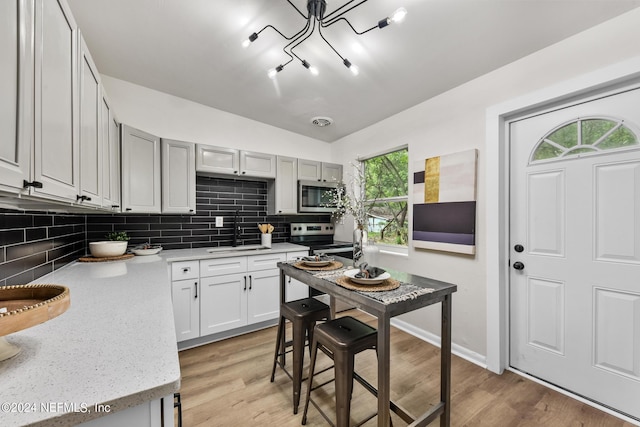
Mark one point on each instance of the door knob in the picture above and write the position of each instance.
(518, 265)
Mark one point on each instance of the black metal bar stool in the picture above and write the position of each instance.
(303, 315)
(341, 339)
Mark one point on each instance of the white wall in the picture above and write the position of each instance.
(456, 121)
(171, 117)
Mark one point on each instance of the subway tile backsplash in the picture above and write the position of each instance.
(34, 244)
(214, 197)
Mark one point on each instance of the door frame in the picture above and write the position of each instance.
(497, 142)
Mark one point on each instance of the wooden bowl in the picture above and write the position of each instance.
(27, 306)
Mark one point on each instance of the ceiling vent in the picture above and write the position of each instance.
(322, 121)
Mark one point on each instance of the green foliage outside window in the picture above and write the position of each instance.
(386, 190)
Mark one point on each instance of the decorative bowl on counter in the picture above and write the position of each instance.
(24, 306)
(108, 248)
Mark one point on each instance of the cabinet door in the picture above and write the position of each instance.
(259, 165)
(140, 171)
(264, 295)
(110, 156)
(217, 160)
(16, 86)
(331, 172)
(295, 289)
(286, 186)
(186, 308)
(91, 141)
(309, 170)
(114, 150)
(56, 156)
(223, 303)
(178, 177)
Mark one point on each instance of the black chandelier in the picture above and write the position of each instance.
(316, 18)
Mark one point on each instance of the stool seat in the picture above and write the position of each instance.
(341, 339)
(303, 315)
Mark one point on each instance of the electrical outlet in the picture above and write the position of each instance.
(219, 221)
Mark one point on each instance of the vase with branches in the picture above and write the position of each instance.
(350, 200)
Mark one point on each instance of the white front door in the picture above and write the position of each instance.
(575, 249)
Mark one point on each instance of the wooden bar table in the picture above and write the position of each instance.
(415, 292)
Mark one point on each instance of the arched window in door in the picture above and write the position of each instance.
(590, 135)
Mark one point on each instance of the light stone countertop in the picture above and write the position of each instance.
(115, 345)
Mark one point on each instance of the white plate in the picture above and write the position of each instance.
(151, 251)
(316, 263)
(375, 281)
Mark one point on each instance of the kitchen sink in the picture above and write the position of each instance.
(236, 249)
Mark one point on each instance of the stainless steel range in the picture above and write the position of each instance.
(319, 237)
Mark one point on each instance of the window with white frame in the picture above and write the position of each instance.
(386, 194)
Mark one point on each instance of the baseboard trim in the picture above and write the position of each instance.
(458, 350)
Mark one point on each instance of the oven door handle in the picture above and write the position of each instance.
(333, 250)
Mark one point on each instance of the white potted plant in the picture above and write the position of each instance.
(115, 245)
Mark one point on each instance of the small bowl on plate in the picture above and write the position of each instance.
(146, 250)
(351, 274)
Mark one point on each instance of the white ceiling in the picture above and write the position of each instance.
(192, 49)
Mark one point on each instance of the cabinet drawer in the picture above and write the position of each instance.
(184, 270)
(265, 262)
(220, 266)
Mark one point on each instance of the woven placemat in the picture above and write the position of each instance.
(386, 285)
(105, 259)
(333, 266)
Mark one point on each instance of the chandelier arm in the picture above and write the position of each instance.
(328, 17)
(299, 35)
(349, 24)
(301, 39)
(298, 10)
(278, 31)
(327, 42)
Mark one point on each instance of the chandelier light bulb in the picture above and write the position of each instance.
(399, 15)
(253, 37)
(272, 73)
(354, 70)
(313, 70)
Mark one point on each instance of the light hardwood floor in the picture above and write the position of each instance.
(227, 384)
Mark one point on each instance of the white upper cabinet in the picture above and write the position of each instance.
(91, 135)
(313, 170)
(140, 171)
(56, 155)
(283, 192)
(110, 132)
(217, 160)
(178, 177)
(16, 73)
(229, 161)
(258, 165)
(331, 172)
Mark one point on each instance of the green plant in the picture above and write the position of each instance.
(118, 235)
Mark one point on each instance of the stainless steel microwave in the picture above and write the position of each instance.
(313, 196)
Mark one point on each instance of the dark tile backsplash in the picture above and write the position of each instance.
(214, 197)
(34, 244)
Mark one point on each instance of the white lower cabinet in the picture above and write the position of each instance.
(186, 308)
(224, 303)
(226, 293)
